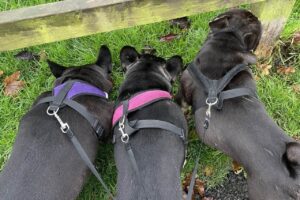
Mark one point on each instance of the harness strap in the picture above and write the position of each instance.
(58, 100)
(87, 160)
(192, 183)
(93, 121)
(230, 94)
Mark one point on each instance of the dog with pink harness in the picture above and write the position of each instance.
(150, 130)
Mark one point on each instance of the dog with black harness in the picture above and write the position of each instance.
(59, 137)
(219, 86)
(150, 130)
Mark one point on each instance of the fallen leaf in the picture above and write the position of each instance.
(208, 170)
(199, 188)
(256, 77)
(148, 50)
(296, 38)
(286, 70)
(169, 37)
(43, 55)
(182, 23)
(12, 85)
(264, 68)
(1, 72)
(296, 88)
(236, 167)
(297, 138)
(26, 55)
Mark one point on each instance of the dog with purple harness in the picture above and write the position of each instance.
(150, 130)
(59, 137)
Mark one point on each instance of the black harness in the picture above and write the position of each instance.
(214, 89)
(60, 101)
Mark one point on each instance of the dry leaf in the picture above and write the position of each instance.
(182, 23)
(12, 85)
(26, 55)
(169, 37)
(208, 170)
(43, 55)
(296, 38)
(236, 167)
(297, 138)
(257, 78)
(198, 188)
(296, 88)
(1, 72)
(286, 70)
(264, 68)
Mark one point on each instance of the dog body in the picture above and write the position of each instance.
(44, 164)
(243, 129)
(159, 153)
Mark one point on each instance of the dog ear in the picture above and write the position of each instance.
(219, 22)
(104, 59)
(56, 69)
(128, 55)
(293, 157)
(251, 40)
(174, 66)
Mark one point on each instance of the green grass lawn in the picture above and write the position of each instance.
(275, 91)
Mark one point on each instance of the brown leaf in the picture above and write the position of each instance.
(296, 88)
(236, 167)
(26, 55)
(148, 50)
(296, 38)
(208, 170)
(182, 23)
(199, 188)
(168, 38)
(297, 138)
(12, 85)
(1, 72)
(286, 70)
(264, 68)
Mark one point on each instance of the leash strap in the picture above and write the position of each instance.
(87, 160)
(193, 180)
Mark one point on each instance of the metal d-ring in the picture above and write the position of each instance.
(53, 112)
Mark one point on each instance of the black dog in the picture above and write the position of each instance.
(44, 164)
(242, 129)
(159, 153)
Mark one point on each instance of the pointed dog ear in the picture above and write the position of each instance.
(251, 40)
(104, 59)
(174, 66)
(56, 69)
(128, 55)
(219, 22)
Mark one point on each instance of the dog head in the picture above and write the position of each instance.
(97, 74)
(240, 22)
(145, 71)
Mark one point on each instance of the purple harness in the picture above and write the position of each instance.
(79, 89)
(64, 94)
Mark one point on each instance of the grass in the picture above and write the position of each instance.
(275, 91)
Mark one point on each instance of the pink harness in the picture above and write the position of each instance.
(140, 100)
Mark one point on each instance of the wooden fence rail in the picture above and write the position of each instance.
(75, 18)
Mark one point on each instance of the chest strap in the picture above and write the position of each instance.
(214, 88)
(64, 94)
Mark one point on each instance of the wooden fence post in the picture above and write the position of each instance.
(273, 15)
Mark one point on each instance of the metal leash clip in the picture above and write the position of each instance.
(64, 127)
(208, 111)
(125, 136)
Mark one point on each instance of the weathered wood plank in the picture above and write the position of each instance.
(75, 18)
(273, 15)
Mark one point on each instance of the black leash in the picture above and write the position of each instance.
(214, 88)
(56, 102)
